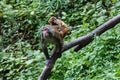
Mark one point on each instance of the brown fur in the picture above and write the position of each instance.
(60, 25)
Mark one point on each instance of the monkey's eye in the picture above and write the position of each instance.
(44, 30)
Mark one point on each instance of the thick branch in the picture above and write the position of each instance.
(80, 42)
(85, 40)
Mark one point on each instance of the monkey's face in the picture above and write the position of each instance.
(46, 32)
(53, 21)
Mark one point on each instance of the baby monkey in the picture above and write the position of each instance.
(62, 27)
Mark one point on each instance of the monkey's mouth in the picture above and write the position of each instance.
(53, 23)
(47, 35)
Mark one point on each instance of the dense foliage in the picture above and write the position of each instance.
(21, 57)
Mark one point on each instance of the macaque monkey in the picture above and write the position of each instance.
(50, 34)
(62, 27)
(53, 33)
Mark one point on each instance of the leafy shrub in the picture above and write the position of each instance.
(20, 49)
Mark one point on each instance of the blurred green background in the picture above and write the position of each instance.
(21, 57)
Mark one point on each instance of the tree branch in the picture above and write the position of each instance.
(80, 42)
(98, 31)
